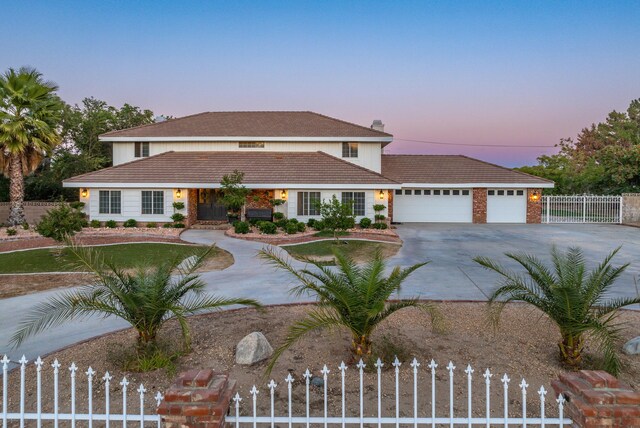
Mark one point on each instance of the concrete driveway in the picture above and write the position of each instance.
(451, 275)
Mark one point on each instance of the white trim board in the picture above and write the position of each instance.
(177, 139)
(479, 185)
(94, 185)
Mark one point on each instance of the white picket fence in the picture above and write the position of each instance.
(419, 416)
(582, 209)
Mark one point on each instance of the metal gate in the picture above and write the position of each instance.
(582, 209)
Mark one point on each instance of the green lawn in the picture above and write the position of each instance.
(361, 251)
(124, 255)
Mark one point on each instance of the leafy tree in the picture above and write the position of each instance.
(29, 116)
(574, 299)
(352, 297)
(337, 216)
(146, 298)
(234, 194)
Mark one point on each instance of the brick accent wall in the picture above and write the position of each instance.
(597, 399)
(534, 209)
(198, 399)
(192, 207)
(480, 205)
(390, 194)
(259, 198)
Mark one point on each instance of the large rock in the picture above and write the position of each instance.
(632, 347)
(253, 348)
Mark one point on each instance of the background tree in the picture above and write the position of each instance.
(29, 118)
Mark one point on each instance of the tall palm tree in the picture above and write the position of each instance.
(146, 298)
(351, 296)
(29, 114)
(574, 299)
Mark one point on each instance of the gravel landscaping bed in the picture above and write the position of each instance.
(524, 345)
(386, 235)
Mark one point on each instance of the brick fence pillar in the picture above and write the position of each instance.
(534, 208)
(479, 205)
(596, 399)
(198, 399)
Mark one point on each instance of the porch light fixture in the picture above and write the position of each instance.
(381, 195)
(535, 196)
(283, 194)
(84, 192)
(179, 194)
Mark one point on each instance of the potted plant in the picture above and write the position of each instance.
(234, 194)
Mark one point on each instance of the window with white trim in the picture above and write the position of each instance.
(152, 202)
(349, 150)
(251, 145)
(357, 199)
(109, 202)
(141, 150)
(308, 203)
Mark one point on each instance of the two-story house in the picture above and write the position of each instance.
(299, 157)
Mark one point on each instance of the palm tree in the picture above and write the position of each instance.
(29, 114)
(146, 298)
(574, 299)
(352, 297)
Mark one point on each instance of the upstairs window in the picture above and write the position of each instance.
(251, 145)
(308, 203)
(152, 202)
(355, 198)
(349, 150)
(110, 202)
(141, 150)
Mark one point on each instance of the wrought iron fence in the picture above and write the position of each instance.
(582, 209)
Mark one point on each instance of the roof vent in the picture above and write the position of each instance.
(377, 125)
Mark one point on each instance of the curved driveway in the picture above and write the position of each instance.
(451, 275)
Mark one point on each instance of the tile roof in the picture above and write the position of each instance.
(440, 169)
(250, 124)
(259, 168)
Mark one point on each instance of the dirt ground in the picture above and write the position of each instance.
(18, 285)
(524, 345)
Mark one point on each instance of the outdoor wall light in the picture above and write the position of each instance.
(381, 195)
(535, 196)
(179, 194)
(84, 193)
(283, 194)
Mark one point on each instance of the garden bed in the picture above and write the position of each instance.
(524, 345)
(310, 235)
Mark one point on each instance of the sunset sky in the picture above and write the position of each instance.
(483, 73)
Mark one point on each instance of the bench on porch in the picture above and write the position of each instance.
(259, 214)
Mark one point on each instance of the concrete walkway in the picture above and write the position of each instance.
(451, 275)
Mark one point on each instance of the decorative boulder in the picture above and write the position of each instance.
(253, 348)
(632, 347)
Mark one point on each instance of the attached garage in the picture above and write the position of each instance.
(433, 205)
(506, 206)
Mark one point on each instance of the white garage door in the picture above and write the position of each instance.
(433, 205)
(506, 206)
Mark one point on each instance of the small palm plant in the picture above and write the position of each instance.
(146, 298)
(351, 296)
(574, 299)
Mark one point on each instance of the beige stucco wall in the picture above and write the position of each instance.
(33, 210)
(631, 207)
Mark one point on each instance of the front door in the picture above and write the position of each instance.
(209, 208)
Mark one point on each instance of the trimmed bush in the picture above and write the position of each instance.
(111, 224)
(318, 225)
(178, 206)
(378, 207)
(95, 224)
(132, 222)
(267, 227)
(380, 226)
(60, 222)
(168, 225)
(152, 224)
(311, 222)
(25, 226)
(241, 227)
(177, 217)
(379, 217)
(254, 221)
(282, 224)
(301, 227)
(11, 231)
(179, 225)
(278, 216)
(292, 228)
(365, 223)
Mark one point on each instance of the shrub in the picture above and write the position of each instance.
(282, 224)
(365, 222)
(179, 225)
(379, 217)
(11, 231)
(293, 220)
(111, 224)
(168, 225)
(254, 221)
(77, 205)
(152, 225)
(301, 227)
(276, 202)
(95, 224)
(25, 226)
(278, 216)
(177, 217)
(311, 222)
(178, 206)
(378, 207)
(337, 216)
(241, 227)
(318, 225)
(267, 227)
(381, 226)
(132, 222)
(292, 228)
(60, 222)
